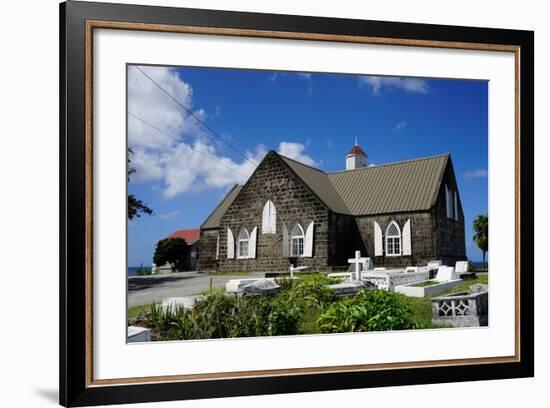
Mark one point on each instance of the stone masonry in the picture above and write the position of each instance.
(336, 236)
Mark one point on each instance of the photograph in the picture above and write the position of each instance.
(283, 203)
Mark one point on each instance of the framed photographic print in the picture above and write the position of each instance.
(255, 203)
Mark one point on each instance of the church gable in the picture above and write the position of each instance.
(287, 218)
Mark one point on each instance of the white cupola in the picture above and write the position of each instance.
(356, 158)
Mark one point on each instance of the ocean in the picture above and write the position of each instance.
(133, 270)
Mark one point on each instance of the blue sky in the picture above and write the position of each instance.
(183, 170)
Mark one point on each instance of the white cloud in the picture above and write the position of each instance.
(296, 151)
(376, 83)
(171, 215)
(478, 173)
(400, 125)
(302, 75)
(180, 156)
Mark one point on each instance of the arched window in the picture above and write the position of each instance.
(242, 243)
(297, 241)
(269, 218)
(393, 240)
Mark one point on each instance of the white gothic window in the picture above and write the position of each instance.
(269, 218)
(297, 241)
(243, 243)
(393, 240)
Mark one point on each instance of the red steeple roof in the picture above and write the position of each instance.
(356, 150)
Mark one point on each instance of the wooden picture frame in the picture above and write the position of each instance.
(78, 20)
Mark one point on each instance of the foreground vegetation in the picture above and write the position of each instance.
(306, 306)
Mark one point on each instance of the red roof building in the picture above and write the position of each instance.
(189, 235)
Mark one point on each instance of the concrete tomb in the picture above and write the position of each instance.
(261, 287)
(138, 334)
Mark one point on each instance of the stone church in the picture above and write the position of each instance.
(399, 214)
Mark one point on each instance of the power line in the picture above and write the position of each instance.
(181, 141)
(190, 113)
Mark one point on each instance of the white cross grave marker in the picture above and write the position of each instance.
(358, 261)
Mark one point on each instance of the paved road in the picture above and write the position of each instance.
(143, 290)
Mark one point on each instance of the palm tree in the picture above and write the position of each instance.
(481, 234)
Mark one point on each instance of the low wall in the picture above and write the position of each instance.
(426, 291)
(389, 280)
(461, 309)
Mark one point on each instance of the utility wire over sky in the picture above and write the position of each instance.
(190, 113)
(177, 139)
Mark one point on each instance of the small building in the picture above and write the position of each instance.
(399, 214)
(192, 238)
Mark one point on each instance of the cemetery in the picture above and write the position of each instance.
(305, 301)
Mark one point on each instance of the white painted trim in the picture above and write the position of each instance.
(230, 244)
(378, 246)
(286, 244)
(252, 243)
(406, 239)
(292, 237)
(394, 236)
(239, 240)
(269, 218)
(308, 242)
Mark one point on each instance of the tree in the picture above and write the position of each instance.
(135, 207)
(172, 251)
(481, 234)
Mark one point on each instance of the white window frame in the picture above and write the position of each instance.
(241, 239)
(393, 237)
(269, 218)
(300, 236)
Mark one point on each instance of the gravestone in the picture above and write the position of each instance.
(433, 266)
(261, 287)
(187, 302)
(138, 334)
(359, 263)
(445, 273)
(350, 288)
(461, 266)
(479, 288)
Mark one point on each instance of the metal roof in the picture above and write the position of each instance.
(410, 185)
(319, 182)
(213, 220)
(396, 187)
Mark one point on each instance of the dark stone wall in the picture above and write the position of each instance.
(207, 250)
(294, 203)
(422, 235)
(345, 239)
(336, 236)
(449, 237)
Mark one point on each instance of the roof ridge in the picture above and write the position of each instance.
(236, 185)
(388, 164)
(303, 164)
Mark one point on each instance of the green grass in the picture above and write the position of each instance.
(426, 283)
(464, 286)
(134, 311)
(229, 273)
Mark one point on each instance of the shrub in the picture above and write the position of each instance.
(221, 316)
(284, 320)
(367, 311)
(311, 291)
